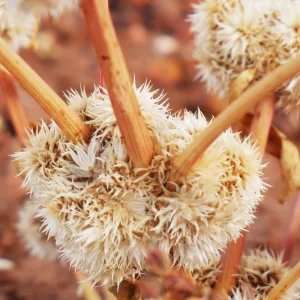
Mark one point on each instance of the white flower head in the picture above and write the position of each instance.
(206, 276)
(29, 229)
(53, 8)
(262, 270)
(105, 215)
(234, 35)
(16, 27)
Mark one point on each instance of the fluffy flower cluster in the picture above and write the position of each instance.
(234, 35)
(105, 214)
(29, 227)
(19, 18)
(207, 275)
(53, 8)
(261, 270)
(16, 27)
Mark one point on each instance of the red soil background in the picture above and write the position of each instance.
(68, 61)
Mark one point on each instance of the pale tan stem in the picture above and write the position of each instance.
(185, 162)
(66, 119)
(262, 121)
(293, 229)
(231, 259)
(230, 262)
(15, 109)
(285, 283)
(130, 120)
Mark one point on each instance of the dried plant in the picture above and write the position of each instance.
(232, 36)
(104, 213)
(262, 270)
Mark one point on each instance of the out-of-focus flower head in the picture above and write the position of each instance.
(105, 214)
(53, 8)
(29, 229)
(16, 27)
(262, 270)
(234, 35)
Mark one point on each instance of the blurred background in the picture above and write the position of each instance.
(158, 47)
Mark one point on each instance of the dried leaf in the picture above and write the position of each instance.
(290, 168)
(240, 84)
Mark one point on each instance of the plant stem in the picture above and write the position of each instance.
(66, 119)
(185, 162)
(285, 283)
(262, 121)
(293, 229)
(14, 107)
(231, 259)
(130, 120)
(227, 278)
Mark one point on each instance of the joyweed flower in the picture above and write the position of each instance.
(206, 276)
(105, 214)
(29, 227)
(262, 270)
(16, 27)
(234, 35)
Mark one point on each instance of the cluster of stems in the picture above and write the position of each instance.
(137, 137)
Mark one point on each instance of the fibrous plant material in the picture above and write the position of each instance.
(206, 276)
(16, 27)
(290, 281)
(105, 214)
(29, 229)
(232, 36)
(263, 270)
(40, 8)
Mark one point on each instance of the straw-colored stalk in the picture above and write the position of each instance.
(66, 119)
(15, 110)
(137, 137)
(185, 162)
(293, 229)
(285, 283)
(231, 259)
(229, 263)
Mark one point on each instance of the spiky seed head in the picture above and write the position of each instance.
(234, 35)
(262, 270)
(53, 8)
(105, 214)
(16, 27)
(206, 276)
(29, 229)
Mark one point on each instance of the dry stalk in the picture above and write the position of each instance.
(130, 120)
(184, 163)
(285, 283)
(15, 110)
(67, 120)
(231, 259)
(293, 229)
(227, 278)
